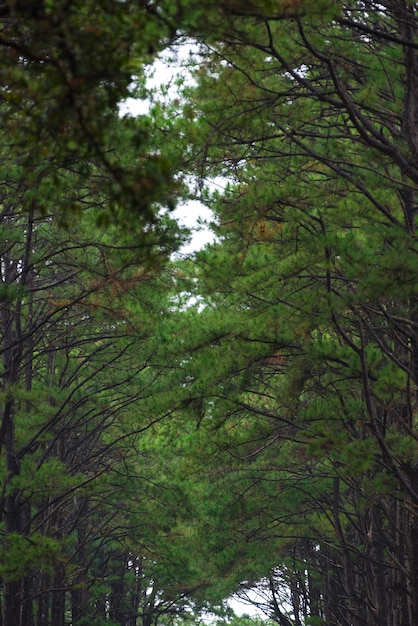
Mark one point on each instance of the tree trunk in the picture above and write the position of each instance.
(43, 600)
(58, 599)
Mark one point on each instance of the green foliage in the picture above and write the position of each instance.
(20, 555)
(174, 430)
(298, 362)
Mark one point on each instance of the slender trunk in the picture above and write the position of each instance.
(12, 589)
(43, 601)
(58, 599)
(79, 593)
(279, 616)
(314, 595)
(12, 604)
(116, 597)
(27, 602)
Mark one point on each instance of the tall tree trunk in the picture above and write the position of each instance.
(117, 595)
(27, 602)
(43, 600)
(58, 598)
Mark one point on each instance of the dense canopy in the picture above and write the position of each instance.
(177, 429)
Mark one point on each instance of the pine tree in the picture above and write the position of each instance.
(301, 356)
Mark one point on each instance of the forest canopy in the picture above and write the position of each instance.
(176, 429)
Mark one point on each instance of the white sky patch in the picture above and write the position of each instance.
(250, 602)
(163, 76)
(193, 215)
(163, 82)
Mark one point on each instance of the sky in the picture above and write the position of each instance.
(163, 74)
